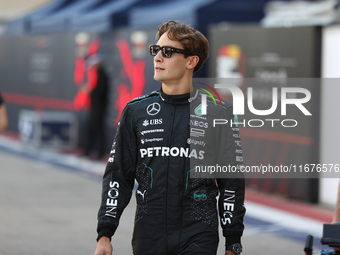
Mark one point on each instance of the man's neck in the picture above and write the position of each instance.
(177, 89)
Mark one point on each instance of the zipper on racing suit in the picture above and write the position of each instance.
(167, 173)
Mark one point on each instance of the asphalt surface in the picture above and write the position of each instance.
(50, 209)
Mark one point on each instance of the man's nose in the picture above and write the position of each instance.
(158, 57)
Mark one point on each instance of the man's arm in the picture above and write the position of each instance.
(231, 210)
(232, 188)
(3, 117)
(118, 182)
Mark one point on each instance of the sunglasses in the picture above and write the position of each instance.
(166, 50)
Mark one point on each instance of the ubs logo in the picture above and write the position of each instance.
(152, 122)
(153, 109)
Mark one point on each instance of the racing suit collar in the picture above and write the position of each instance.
(179, 99)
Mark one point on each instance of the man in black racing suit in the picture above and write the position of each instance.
(159, 137)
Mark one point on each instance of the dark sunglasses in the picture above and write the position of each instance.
(166, 51)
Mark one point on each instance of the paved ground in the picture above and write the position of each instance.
(45, 209)
(48, 209)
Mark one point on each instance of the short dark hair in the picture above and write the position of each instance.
(191, 39)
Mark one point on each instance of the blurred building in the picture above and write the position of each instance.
(16, 8)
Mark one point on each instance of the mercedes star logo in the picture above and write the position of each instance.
(153, 109)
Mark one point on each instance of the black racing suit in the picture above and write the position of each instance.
(156, 139)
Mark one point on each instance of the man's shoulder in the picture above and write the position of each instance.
(145, 97)
(226, 103)
(214, 100)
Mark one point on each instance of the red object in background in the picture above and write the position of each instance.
(133, 71)
(82, 99)
(40, 103)
(135, 74)
(79, 70)
(93, 47)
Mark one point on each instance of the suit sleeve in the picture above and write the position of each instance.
(232, 187)
(119, 176)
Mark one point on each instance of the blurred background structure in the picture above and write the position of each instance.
(13, 9)
(44, 46)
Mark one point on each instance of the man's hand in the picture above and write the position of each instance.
(104, 246)
(230, 253)
(3, 118)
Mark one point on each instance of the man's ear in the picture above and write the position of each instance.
(193, 61)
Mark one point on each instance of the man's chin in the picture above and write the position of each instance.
(157, 78)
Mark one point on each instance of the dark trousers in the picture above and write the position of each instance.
(95, 133)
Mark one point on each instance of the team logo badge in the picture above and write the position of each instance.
(236, 120)
(153, 109)
(198, 110)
